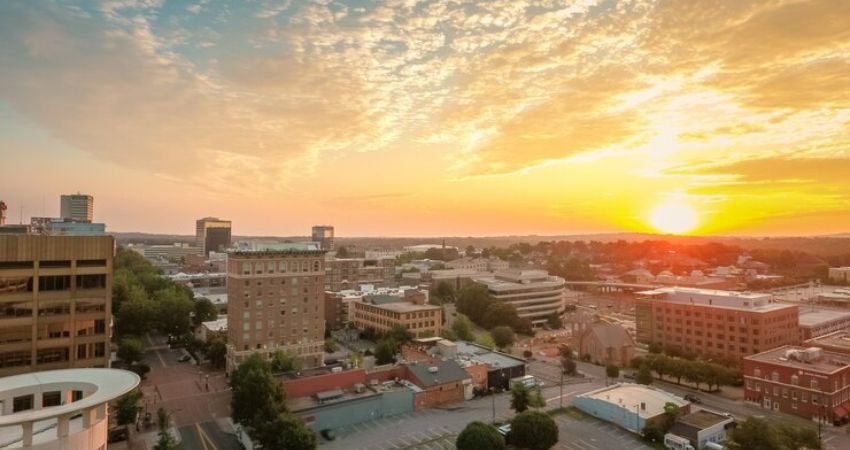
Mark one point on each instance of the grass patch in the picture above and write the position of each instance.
(571, 411)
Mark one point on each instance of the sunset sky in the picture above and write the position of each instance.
(428, 118)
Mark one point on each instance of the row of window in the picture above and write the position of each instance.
(48, 283)
(270, 267)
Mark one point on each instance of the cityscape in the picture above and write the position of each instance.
(425, 225)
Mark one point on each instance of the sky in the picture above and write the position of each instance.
(431, 118)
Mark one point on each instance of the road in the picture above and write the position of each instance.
(207, 436)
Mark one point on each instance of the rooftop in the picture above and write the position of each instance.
(839, 341)
(744, 301)
(476, 353)
(811, 358)
(516, 278)
(216, 325)
(812, 318)
(703, 419)
(405, 307)
(438, 372)
(277, 247)
(629, 396)
(343, 395)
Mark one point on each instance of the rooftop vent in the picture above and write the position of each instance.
(433, 369)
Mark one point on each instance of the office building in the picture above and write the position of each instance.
(383, 312)
(491, 264)
(77, 207)
(804, 381)
(816, 322)
(721, 324)
(3, 209)
(347, 273)
(839, 274)
(60, 409)
(535, 294)
(276, 302)
(699, 430)
(55, 302)
(339, 311)
(324, 235)
(212, 234)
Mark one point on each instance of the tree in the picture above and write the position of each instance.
(217, 352)
(462, 328)
(174, 307)
(385, 352)
(653, 432)
(330, 345)
(445, 291)
(256, 394)
(500, 313)
(753, 434)
(473, 300)
(655, 348)
(798, 437)
(554, 321)
(480, 436)
(285, 432)
(127, 408)
(136, 313)
(129, 350)
(612, 371)
(205, 311)
(503, 337)
(523, 397)
(400, 335)
(644, 375)
(534, 430)
(165, 441)
(485, 340)
(283, 362)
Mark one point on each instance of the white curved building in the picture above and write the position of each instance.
(60, 409)
(534, 293)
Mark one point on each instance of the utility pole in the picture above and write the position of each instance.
(493, 397)
(562, 389)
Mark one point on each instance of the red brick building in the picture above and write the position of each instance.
(805, 382)
(442, 383)
(718, 324)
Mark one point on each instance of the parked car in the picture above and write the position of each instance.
(505, 431)
(629, 375)
(692, 399)
(184, 358)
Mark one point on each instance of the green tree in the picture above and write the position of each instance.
(534, 430)
(480, 436)
(644, 375)
(798, 437)
(127, 408)
(473, 300)
(753, 434)
(485, 340)
(554, 321)
(503, 337)
(174, 308)
(136, 313)
(612, 371)
(205, 311)
(283, 362)
(385, 352)
(165, 441)
(655, 348)
(217, 352)
(256, 394)
(653, 432)
(462, 328)
(445, 291)
(331, 345)
(499, 313)
(400, 335)
(285, 432)
(129, 350)
(523, 397)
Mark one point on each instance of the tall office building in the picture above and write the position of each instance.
(77, 207)
(55, 302)
(212, 234)
(324, 235)
(3, 209)
(276, 302)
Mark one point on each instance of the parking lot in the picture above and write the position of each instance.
(592, 434)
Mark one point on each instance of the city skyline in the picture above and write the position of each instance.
(431, 118)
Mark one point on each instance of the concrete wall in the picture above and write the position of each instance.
(345, 413)
(609, 412)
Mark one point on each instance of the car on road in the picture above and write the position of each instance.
(184, 358)
(629, 375)
(693, 399)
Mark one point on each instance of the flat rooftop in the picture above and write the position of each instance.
(476, 353)
(828, 362)
(838, 340)
(627, 395)
(703, 419)
(812, 318)
(343, 395)
(404, 307)
(741, 301)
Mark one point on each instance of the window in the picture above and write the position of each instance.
(795, 380)
(54, 283)
(52, 398)
(22, 403)
(91, 281)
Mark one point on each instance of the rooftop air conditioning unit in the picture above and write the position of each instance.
(433, 369)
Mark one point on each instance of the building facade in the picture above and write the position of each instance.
(535, 294)
(212, 234)
(492, 264)
(629, 406)
(324, 235)
(55, 302)
(60, 409)
(347, 273)
(721, 324)
(276, 302)
(77, 207)
(806, 382)
(382, 313)
(607, 343)
(839, 274)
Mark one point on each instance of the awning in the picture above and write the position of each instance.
(840, 412)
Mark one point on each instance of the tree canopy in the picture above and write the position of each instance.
(503, 336)
(285, 432)
(480, 436)
(462, 328)
(534, 430)
(759, 434)
(257, 395)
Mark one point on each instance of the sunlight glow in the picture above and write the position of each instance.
(674, 217)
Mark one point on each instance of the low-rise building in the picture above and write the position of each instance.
(839, 274)
(702, 427)
(491, 264)
(501, 367)
(535, 294)
(806, 382)
(629, 406)
(347, 273)
(214, 329)
(816, 322)
(383, 313)
(443, 382)
(837, 342)
(607, 343)
(338, 309)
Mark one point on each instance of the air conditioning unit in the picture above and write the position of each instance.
(433, 369)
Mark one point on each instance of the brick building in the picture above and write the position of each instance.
(443, 382)
(816, 322)
(607, 343)
(720, 324)
(347, 273)
(338, 305)
(806, 382)
(382, 313)
(276, 302)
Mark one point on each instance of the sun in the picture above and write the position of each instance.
(674, 217)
